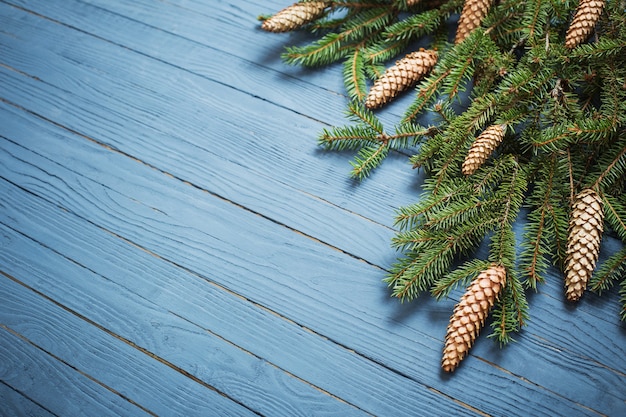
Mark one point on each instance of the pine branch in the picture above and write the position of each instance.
(354, 75)
(368, 159)
(461, 276)
(561, 97)
(510, 313)
(611, 271)
(615, 215)
(546, 229)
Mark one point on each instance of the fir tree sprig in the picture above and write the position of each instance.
(562, 102)
(368, 137)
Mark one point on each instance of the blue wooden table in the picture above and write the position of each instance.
(174, 242)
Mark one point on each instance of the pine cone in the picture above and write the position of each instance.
(583, 242)
(294, 16)
(404, 74)
(470, 314)
(482, 148)
(472, 15)
(585, 18)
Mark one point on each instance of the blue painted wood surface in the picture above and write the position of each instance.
(173, 241)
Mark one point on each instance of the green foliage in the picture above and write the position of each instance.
(368, 137)
(565, 112)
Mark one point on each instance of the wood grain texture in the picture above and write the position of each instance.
(161, 184)
(255, 293)
(14, 403)
(148, 383)
(297, 350)
(148, 131)
(52, 383)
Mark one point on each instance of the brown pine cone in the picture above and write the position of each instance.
(583, 242)
(472, 15)
(403, 75)
(585, 18)
(295, 16)
(482, 148)
(470, 314)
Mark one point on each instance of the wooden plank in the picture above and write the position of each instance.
(289, 168)
(236, 31)
(14, 403)
(247, 379)
(150, 384)
(196, 15)
(315, 222)
(233, 61)
(63, 390)
(277, 340)
(366, 339)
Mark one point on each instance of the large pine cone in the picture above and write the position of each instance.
(583, 242)
(470, 314)
(585, 18)
(403, 75)
(482, 148)
(294, 16)
(472, 15)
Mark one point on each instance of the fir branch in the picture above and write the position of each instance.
(409, 217)
(615, 215)
(368, 159)
(427, 92)
(461, 61)
(604, 48)
(511, 195)
(432, 257)
(510, 313)
(328, 49)
(357, 112)
(354, 75)
(547, 224)
(611, 166)
(348, 137)
(461, 276)
(611, 270)
(369, 138)
(536, 18)
(336, 45)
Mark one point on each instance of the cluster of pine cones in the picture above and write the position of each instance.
(413, 67)
(586, 224)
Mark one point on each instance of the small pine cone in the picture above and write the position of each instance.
(585, 18)
(482, 148)
(294, 16)
(470, 314)
(583, 242)
(472, 15)
(403, 75)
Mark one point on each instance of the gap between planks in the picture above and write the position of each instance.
(189, 183)
(116, 336)
(55, 357)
